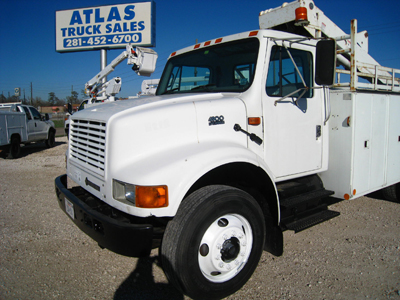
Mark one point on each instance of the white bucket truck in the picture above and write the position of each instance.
(248, 135)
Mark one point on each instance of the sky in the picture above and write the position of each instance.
(27, 38)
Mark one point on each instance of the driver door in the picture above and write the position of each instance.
(292, 125)
(40, 125)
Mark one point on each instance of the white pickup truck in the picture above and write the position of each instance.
(23, 124)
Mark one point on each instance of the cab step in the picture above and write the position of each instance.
(304, 198)
(311, 220)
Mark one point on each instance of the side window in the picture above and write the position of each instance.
(36, 115)
(283, 78)
(28, 115)
(18, 108)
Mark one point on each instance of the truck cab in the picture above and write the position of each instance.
(237, 68)
(37, 125)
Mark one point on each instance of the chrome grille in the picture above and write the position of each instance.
(88, 144)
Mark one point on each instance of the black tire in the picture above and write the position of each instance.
(15, 148)
(51, 141)
(392, 193)
(214, 243)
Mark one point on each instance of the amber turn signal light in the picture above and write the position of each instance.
(254, 121)
(152, 196)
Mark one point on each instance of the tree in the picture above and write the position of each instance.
(10, 99)
(83, 94)
(52, 98)
(36, 101)
(73, 98)
(3, 99)
(59, 102)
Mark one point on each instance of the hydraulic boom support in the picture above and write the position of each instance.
(143, 61)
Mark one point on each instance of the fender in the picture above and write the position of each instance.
(182, 169)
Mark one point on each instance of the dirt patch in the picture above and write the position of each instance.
(44, 256)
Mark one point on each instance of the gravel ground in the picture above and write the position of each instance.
(44, 256)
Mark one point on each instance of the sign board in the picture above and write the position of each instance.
(17, 92)
(104, 27)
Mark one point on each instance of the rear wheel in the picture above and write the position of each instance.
(51, 141)
(15, 148)
(392, 193)
(213, 245)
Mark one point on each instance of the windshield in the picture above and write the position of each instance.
(82, 106)
(227, 67)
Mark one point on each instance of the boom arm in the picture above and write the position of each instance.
(143, 61)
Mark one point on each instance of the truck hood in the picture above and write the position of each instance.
(149, 140)
(103, 112)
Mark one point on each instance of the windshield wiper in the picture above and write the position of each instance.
(170, 91)
(205, 87)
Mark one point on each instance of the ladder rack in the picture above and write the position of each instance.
(380, 78)
(352, 52)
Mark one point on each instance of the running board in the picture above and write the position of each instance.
(311, 220)
(304, 198)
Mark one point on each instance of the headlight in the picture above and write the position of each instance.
(141, 196)
(123, 191)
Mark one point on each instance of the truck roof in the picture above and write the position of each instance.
(260, 33)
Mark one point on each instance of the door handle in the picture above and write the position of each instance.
(318, 131)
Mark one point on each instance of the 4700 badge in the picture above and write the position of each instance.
(103, 40)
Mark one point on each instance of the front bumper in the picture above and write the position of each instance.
(110, 228)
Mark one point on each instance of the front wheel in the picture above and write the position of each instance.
(213, 245)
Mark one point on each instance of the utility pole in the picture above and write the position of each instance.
(31, 93)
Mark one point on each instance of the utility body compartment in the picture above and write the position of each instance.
(12, 123)
(364, 142)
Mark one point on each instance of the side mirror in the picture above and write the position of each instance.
(325, 65)
(46, 116)
(69, 108)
